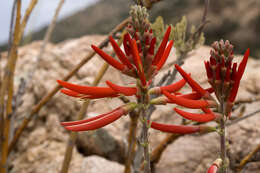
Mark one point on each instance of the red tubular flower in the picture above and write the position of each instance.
(181, 129)
(238, 77)
(208, 70)
(120, 54)
(101, 120)
(152, 46)
(212, 169)
(195, 95)
(138, 62)
(193, 104)
(109, 59)
(87, 90)
(87, 120)
(203, 118)
(82, 96)
(126, 43)
(164, 56)
(170, 88)
(215, 166)
(162, 47)
(71, 93)
(194, 85)
(128, 91)
(98, 123)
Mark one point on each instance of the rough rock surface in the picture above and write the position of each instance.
(42, 146)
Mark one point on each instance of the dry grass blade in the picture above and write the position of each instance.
(26, 17)
(45, 99)
(8, 85)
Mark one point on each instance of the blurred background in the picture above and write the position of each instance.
(237, 21)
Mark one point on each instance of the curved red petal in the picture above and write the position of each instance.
(203, 118)
(70, 93)
(109, 59)
(242, 65)
(174, 87)
(193, 104)
(120, 54)
(126, 44)
(152, 46)
(128, 91)
(71, 123)
(98, 123)
(162, 47)
(138, 62)
(87, 90)
(180, 129)
(195, 95)
(165, 56)
(194, 85)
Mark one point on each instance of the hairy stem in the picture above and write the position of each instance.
(131, 142)
(223, 151)
(143, 102)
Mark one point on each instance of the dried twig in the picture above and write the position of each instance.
(247, 158)
(45, 99)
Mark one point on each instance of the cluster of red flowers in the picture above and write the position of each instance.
(140, 61)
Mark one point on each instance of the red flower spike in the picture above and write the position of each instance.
(242, 65)
(194, 85)
(193, 104)
(127, 91)
(98, 123)
(162, 47)
(109, 59)
(165, 55)
(120, 54)
(138, 62)
(87, 90)
(87, 120)
(203, 118)
(195, 95)
(152, 46)
(180, 129)
(126, 43)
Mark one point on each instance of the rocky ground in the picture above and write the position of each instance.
(42, 146)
